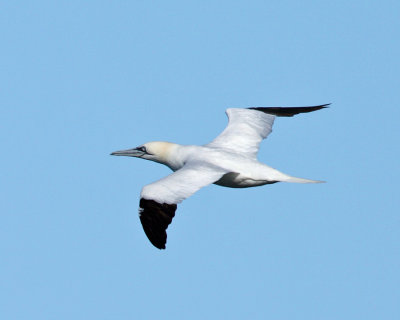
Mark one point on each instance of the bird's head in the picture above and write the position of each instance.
(156, 151)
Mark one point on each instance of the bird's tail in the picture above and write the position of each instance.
(301, 180)
(276, 175)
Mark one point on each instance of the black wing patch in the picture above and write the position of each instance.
(155, 218)
(289, 112)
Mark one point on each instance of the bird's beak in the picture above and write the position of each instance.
(128, 153)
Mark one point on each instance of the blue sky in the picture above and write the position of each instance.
(81, 79)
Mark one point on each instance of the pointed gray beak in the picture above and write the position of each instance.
(128, 153)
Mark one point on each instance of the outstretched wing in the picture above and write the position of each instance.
(158, 200)
(248, 127)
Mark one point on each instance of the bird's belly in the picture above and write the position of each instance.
(237, 180)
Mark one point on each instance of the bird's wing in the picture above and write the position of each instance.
(158, 200)
(248, 127)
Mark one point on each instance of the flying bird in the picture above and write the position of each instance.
(230, 160)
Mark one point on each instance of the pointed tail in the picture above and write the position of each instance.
(301, 180)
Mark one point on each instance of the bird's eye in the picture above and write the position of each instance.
(143, 149)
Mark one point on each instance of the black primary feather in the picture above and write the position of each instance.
(155, 218)
(289, 111)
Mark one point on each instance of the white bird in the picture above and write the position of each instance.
(230, 160)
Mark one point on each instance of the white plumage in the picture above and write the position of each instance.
(230, 160)
(245, 131)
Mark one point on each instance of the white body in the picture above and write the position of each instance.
(240, 171)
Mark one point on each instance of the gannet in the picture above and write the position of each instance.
(230, 160)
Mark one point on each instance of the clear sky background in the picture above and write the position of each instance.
(79, 80)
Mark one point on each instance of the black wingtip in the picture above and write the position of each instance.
(155, 218)
(325, 105)
(289, 111)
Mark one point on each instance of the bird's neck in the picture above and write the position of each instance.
(173, 155)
